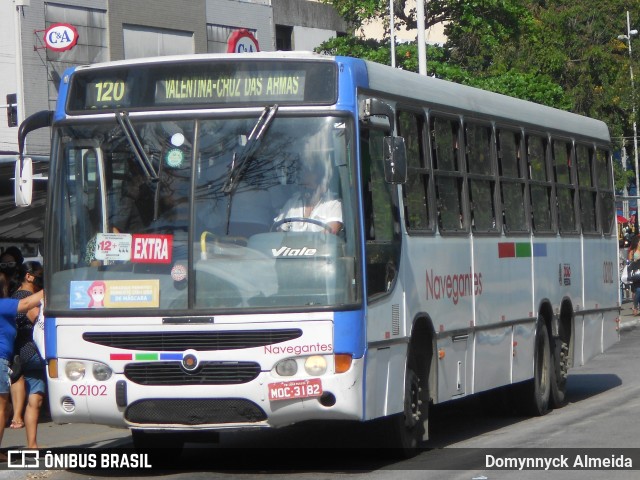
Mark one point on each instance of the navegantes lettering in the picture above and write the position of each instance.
(453, 285)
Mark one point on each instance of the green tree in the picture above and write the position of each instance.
(560, 53)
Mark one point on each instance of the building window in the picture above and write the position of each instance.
(284, 34)
(142, 41)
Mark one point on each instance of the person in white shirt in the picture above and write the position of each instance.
(313, 208)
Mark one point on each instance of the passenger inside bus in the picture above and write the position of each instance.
(314, 207)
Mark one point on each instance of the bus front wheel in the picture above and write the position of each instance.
(406, 429)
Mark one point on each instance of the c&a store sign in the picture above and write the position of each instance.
(60, 37)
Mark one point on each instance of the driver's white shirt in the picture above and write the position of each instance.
(327, 210)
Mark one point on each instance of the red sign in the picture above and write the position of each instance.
(151, 248)
(295, 389)
(60, 37)
(242, 41)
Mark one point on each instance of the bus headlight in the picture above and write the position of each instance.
(315, 365)
(287, 367)
(101, 372)
(74, 370)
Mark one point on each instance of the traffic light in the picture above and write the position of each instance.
(12, 110)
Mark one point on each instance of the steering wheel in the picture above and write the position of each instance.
(313, 221)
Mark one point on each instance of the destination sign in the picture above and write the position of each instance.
(265, 86)
(170, 85)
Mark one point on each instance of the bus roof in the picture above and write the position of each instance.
(481, 103)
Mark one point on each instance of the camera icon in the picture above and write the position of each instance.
(23, 459)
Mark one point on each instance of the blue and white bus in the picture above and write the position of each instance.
(477, 245)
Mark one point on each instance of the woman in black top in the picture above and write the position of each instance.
(32, 384)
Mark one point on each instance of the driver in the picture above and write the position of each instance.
(312, 201)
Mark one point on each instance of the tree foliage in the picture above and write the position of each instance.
(562, 53)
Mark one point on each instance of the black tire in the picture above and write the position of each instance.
(559, 371)
(536, 393)
(404, 431)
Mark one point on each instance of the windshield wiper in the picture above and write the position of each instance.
(136, 145)
(240, 160)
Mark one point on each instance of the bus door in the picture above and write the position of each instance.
(386, 356)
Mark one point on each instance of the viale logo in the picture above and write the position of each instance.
(293, 252)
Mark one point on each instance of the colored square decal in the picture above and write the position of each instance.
(120, 356)
(539, 249)
(523, 249)
(506, 250)
(146, 356)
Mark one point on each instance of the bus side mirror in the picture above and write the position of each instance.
(23, 182)
(395, 160)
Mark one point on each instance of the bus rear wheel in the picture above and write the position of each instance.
(559, 372)
(536, 393)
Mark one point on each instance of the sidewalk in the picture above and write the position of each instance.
(627, 320)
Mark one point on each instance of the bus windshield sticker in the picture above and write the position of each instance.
(113, 246)
(152, 248)
(114, 294)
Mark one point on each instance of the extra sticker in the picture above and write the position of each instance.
(152, 248)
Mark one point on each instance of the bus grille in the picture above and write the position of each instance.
(201, 341)
(208, 373)
(194, 411)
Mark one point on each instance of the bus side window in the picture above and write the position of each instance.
(605, 191)
(481, 177)
(565, 190)
(418, 215)
(539, 185)
(511, 182)
(448, 178)
(381, 216)
(587, 189)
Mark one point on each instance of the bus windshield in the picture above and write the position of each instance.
(214, 214)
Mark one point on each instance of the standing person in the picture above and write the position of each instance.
(10, 262)
(634, 277)
(31, 385)
(9, 309)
